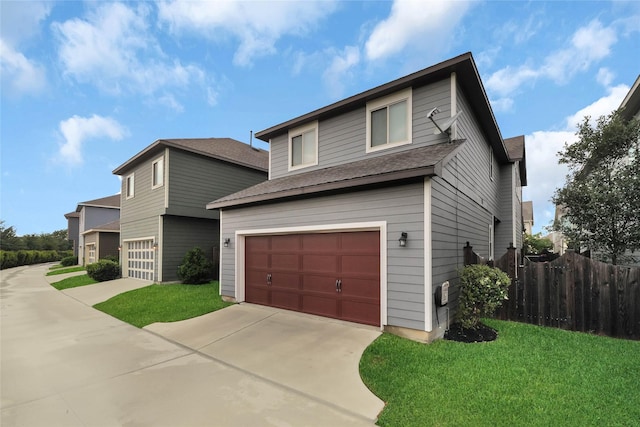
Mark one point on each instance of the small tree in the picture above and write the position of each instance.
(195, 268)
(536, 244)
(601, 197)
(482, 291)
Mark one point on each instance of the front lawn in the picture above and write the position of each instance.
(63, 270)
(164, 303)
(529, 376)
(73, 282)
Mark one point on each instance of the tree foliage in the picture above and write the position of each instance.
(55, 241)
(483, 289)
(601, 197)
(536, 244)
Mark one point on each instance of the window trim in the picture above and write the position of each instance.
(159, 160)
(377, 104)
(131, 177)
(491, 163)
(313, 126)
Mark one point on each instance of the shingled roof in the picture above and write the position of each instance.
(417, 162)
(225, 149)
(517, 153)
(110, 227)
(104, 202)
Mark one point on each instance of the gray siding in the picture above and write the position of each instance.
(505, 229)
(147, 202)
(402, 207)
(193, 181)
(182, 234)
(342, 139)
(147, 227)
(93, 216)
(73, 233)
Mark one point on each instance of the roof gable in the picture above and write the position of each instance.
(468, 79)
(517, 153)
(224, 149)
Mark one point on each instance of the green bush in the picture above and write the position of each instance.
(195, 268)
(113, 258)
(69, 261)
(9, 259)
(103, 270)
(482, 291)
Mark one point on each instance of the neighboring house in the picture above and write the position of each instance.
(101, 241)
(527, 217)
(368, 205)
(73, 229)
(165, 188)
(92, 214)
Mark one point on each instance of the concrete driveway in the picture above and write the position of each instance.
(64, 363)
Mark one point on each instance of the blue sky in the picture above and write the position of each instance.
(86, 85)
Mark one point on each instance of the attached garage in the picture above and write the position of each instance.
(140, 259)
(328, 274)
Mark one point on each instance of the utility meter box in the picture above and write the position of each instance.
(442, 295)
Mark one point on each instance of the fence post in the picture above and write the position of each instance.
(468, 254)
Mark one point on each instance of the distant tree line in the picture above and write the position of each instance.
(55, 241)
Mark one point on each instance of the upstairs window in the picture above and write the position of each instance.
(491, 164)
(129, 186)
(303, 146)
(389, 121)
(157, 171)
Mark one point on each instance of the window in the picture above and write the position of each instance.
(129, 186)
(157, 171)
(303, 146)
(389, 121)
(491, 241)
(491, 162)
(92, 252)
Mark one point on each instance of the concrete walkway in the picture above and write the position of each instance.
(64, 363)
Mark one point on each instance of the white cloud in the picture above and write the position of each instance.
(601, 107)
(502, 104)
(605, 77)
(257, 25)
(21, 20)
(588, 45)
(339, 72)
(76, 130)
(417, 23)
(113, 48)
(20, 75)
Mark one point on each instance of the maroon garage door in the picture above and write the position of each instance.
(333, 275)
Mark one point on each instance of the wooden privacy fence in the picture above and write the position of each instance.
(574, 293)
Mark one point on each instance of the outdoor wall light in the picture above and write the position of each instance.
(155, 246)
(226, 242)
(403, 239)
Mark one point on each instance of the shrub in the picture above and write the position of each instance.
(195, 268)
(103, 270)
(113, 258)
(69, 261)
(482, 291)
(26, 257)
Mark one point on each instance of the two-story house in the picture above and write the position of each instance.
(88, 216)
(370, 201)
(165, 188)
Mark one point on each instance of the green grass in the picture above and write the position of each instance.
(73, 282)
(163, 303)
(529, 376)
(63, 270)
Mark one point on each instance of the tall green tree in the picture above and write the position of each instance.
(601, 196)
(536, 244)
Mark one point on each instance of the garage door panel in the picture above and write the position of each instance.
(285, 280)
(257, 243)
(286, 261)
(319, 283)
(365, 241)
(320, 242)
(258, 260)
(361, 312)
(326, 263)
(366, 288)
(257, 295)
(285, 243)
(319, 305)
(285, 299)
(361, 264)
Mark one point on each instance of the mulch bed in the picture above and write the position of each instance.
(482, 334)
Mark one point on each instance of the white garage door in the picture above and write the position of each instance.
(140, 259)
